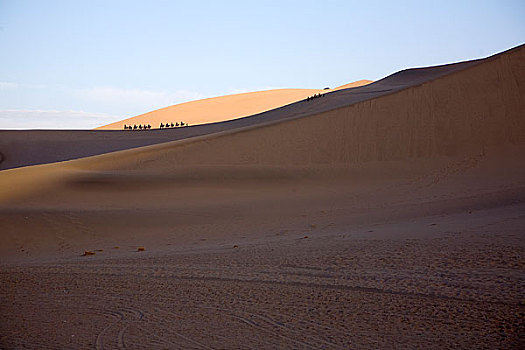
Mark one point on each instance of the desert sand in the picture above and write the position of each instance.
(353, 84)
(218, 109)
(389, 215)
(30, 147)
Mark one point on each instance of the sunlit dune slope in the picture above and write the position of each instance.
(30, 147)
(222, 108)
(353, 85)
(468, 112)
(454, 141)
(216, 109)
(403, 199)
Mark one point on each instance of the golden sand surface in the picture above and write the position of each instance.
(354, 84)
(384, 216)
(218, 109)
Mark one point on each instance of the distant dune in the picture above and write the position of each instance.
(384, 215)
(437, 118)
(464, 109)
(217, 109)
(353, 85)
(448, 110)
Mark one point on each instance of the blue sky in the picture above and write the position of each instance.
(80, 64)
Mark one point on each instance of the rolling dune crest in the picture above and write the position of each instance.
(385, 215)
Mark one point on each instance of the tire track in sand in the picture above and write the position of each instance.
(125, 318)
(247, 320)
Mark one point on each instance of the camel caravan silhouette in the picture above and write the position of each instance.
(309, 98)
(137, 127)
(161, 126)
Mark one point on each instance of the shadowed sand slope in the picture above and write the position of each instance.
(29, 147)
(467, 112)
(22, 148)
(387, 215)
(217, 109)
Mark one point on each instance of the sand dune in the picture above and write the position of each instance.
(357, 83)
(29, 147)
(217, 109)
(384, 215)
(22, 148)
(419, 113)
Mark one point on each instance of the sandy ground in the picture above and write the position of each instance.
(427, 263)
(30, 147)
(218, 109)
(20, 148)
(392, 222)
